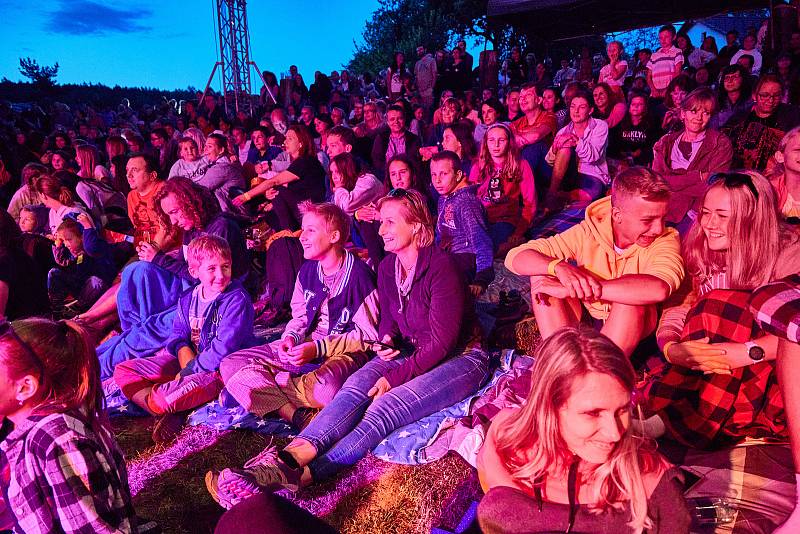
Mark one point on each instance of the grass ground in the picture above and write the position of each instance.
(373, 497)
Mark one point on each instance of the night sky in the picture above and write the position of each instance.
(172, 43)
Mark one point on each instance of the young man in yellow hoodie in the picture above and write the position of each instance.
(619, 263)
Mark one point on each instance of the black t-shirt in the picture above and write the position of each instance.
(311, 185)
(27, 285)
(625, 138)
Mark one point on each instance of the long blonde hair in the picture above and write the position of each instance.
(755, 237)
(511, 170)
(531, 444)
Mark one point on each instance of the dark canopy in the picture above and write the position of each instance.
(559, 19)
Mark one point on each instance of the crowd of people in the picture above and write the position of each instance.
(651, 202)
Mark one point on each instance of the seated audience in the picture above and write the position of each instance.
(578, 158)
(304, 179)
(534, 131)
(776, 309)
(461, 227)
(353, 186)
(506, 187)
(626, 262)
(85, 267)
(492, 111)
(214, 319)
(687, 158)
(334, 316)
(190, 164)
(734, 92)
(613, 73)
(150, 288)
(26, 195)
(67, 473)
(422, 297)
(217, 173)
(458, 139)
(394, 141)
(670, 113)
(755, 135)
(631, 141)
(719, 386)
(569, 457)
(608, 105)
(59, 199)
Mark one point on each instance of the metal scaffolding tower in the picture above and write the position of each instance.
(234, 50)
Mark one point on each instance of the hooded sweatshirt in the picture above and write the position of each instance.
(590, 245)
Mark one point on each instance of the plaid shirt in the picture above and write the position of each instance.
(716, 410)
(65, 477)
(776, 308)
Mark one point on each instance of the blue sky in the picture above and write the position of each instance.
(172, 43)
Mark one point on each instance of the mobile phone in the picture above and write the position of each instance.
(380, 344)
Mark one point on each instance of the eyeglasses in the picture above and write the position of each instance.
(769, 96)
(734, 179)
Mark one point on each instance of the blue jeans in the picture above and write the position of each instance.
(352, 424)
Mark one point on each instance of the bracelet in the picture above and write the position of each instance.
(667, 346)
(247, 196)
(551, 267)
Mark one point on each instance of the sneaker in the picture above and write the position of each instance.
(264, 472)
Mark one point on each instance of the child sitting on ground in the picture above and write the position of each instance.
(86, 268)
(334, 315)
(461, 226)
(214, 319)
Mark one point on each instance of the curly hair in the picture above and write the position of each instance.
(195, 201)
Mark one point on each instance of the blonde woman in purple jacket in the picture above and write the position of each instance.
(425, 360)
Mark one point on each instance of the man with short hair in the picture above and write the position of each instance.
(465, 56)
(616, 266)
(307, 119)
(425, 74)
(730, 48)
(395, 141)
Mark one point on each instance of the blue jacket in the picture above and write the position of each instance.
(228, 327)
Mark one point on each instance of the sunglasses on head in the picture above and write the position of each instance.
(734, 179)
(7, 330)
(398, 192)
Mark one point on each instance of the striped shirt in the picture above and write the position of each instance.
(662, 65)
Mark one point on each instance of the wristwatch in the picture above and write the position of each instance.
(755, 352)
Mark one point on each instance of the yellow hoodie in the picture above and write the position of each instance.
(591, 245)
